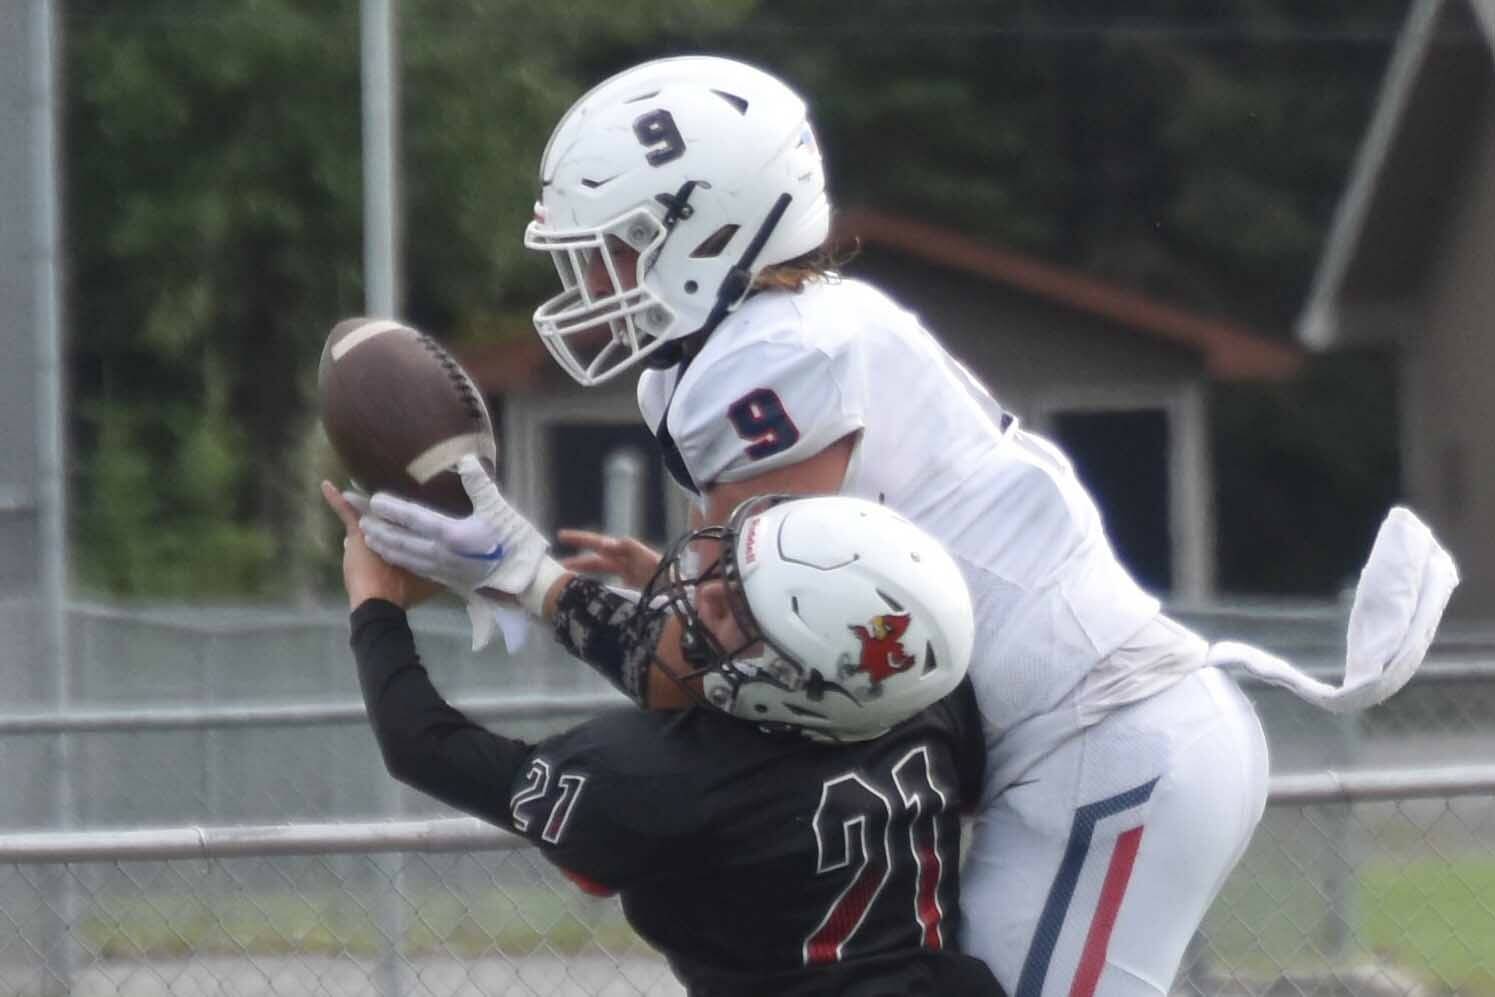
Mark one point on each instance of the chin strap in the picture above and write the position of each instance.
(734, 285)
(669, 355)
(740, 277)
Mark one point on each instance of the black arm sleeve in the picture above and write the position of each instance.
(428, 744)
(562, 793)
(610, 632)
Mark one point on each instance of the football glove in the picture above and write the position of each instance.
(487, 617)
(493, 548)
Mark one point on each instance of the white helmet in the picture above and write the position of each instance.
(853, 619)
(707, 168)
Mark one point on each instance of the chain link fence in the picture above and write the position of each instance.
(492, 918)
(289, 863)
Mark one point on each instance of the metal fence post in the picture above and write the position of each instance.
(1340, 882)
(1339, 875)
(213, 746)
(382, 276)
(391, 909)
(44, 37)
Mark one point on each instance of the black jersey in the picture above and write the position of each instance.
(758, 863)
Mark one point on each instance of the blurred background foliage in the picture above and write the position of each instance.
(1194, 151)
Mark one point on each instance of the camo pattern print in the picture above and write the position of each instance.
(610, 632)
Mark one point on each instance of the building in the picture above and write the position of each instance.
(1119, 379)
(1410, 265)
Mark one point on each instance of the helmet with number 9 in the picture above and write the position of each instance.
(849, 619)
(704, 167)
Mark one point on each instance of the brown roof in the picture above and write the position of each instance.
(1231, 351)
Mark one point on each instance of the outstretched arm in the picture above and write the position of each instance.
(631, 561)
(426, 743)
(561, 793)
(496, 551)
(637, 648)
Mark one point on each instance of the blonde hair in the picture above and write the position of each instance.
(820, 263)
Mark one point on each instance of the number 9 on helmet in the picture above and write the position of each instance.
(663, 191)
(848, 618)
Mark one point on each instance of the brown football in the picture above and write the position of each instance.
(400, 412)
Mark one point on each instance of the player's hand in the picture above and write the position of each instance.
(493, 548)
(632, 561)
(365, 575)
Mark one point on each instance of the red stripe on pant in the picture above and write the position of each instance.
(1093, 957)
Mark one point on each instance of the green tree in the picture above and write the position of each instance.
(213, 211)
(214, 225)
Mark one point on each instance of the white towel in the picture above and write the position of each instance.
(1402, 593)
(489, 619)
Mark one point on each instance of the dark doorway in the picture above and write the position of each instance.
(1122, 458)
(578, 458)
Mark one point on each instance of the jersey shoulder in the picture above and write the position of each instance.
(629, 758)
(950, 736)
(777, 382)
(626, 743)
(610, 799)
(827, 315)
(667, 775)
(825, 330)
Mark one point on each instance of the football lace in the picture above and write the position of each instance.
(458, 376)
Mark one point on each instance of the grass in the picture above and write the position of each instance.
(514, 923)
(1431, 917)
(1435, 917)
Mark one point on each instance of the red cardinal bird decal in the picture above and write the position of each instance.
(882, 648)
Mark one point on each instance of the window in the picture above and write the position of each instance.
(1122, 458)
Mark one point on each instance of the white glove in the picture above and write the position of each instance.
(494, 548)
(486, 616)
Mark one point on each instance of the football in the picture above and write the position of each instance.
(400, 412)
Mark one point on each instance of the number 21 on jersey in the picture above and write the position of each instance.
(864, 828)
(536, 789)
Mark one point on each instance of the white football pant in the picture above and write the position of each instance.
(1090, 875)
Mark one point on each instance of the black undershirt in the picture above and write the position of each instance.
(426, 742)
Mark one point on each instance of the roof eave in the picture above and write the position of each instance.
(1319, 326)
(1228, 351)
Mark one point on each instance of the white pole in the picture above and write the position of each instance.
(623, 473)
(380, 173)
(51, 447)
(381, 280)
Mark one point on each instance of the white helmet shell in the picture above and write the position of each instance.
(865, 619)
(689, 162)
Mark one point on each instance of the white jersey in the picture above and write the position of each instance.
(788, 374)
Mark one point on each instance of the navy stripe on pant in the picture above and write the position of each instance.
(1056, 908)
